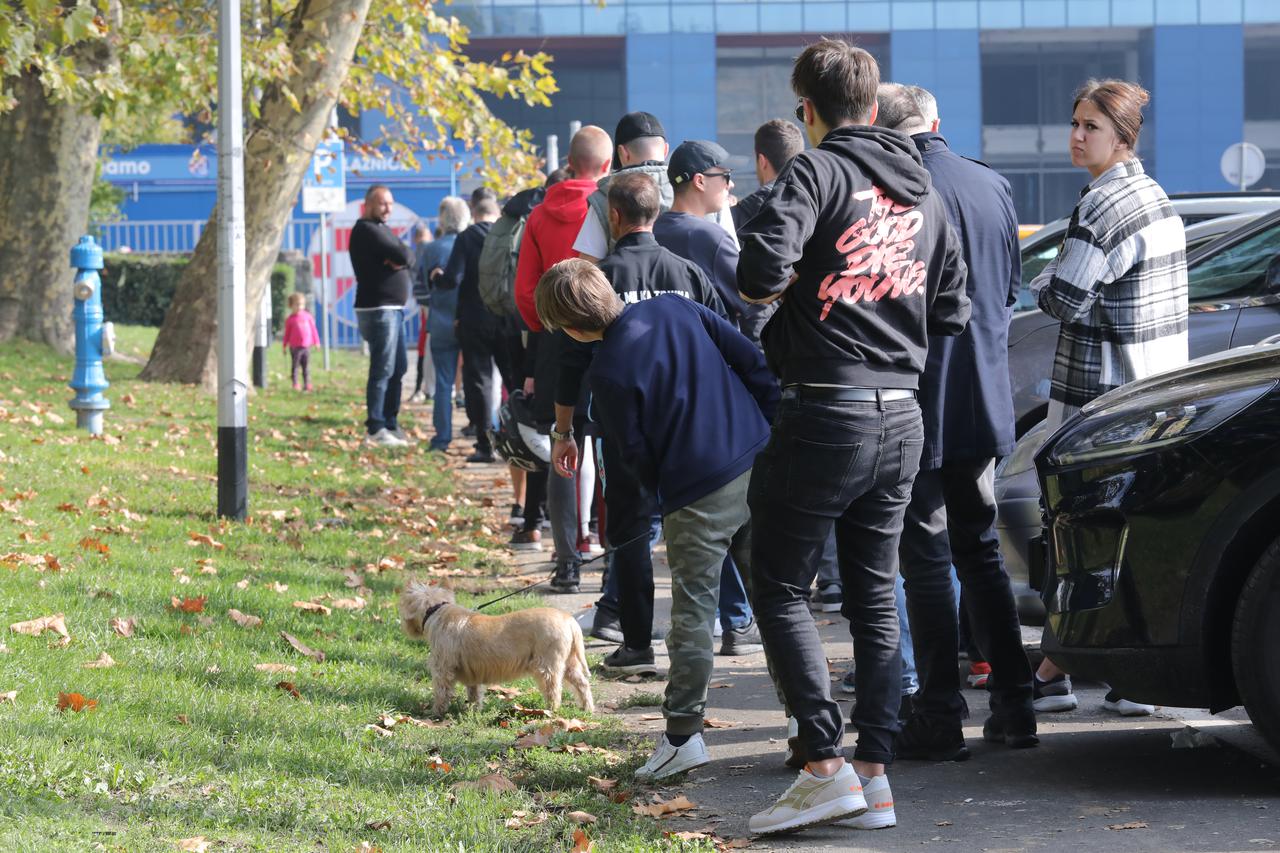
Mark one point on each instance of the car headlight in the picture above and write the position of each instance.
(1023, 457)
(1147, 421)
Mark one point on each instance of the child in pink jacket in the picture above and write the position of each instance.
(300, 336)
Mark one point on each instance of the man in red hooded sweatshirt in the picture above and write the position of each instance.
(548, 238)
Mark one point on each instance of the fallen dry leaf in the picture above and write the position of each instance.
(438, 764)
(312, 607)
(541, 737)
(1133, 824)
(90, 544)
(664, 808)
(380, 731)
(194, 845)
(356, 603)
(942, 823)
(712, 723)
(687, 835)
(301, 648)
(583, 818)
(581, 843)
(189, 605)
(123, 627)
(289, 687)
(8, 697)
(602, 785)
(494, 783)
(505, 692)
(103, 661)
(75, 702)
(276, 586)
(35, 627)
(194, 538)
(244, 620)
(275, 667)
(736, 844)
(377, 825)
(242, 584)
(529, 713)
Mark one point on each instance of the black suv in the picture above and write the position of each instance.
(1161, 566)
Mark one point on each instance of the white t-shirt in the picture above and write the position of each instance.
(593, 241)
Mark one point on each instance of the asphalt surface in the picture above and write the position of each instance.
(1182, 780)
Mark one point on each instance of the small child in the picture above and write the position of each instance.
(300, 336)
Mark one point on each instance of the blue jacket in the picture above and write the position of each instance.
(685, 396)
(444, 301)
(964, 392)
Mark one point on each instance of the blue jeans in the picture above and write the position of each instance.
(383, 331)
(847, 465)
(734, 610)
(445, 360)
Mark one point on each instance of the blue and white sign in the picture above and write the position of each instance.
(324, 188)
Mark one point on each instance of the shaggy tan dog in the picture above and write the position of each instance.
(476, 650)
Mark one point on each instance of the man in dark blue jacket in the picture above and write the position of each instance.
(968, 423)
(687, 402)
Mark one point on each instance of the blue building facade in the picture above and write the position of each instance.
(1003, 72)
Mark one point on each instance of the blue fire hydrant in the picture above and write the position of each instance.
(88, 380)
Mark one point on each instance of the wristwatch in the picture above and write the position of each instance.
(561, 436)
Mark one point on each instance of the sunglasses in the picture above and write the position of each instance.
(727, 175)
(800, 111)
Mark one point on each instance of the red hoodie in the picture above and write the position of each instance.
(548, 239)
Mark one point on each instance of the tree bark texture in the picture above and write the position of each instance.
(48, 155)
(278, 148)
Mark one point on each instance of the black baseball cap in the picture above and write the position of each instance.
(694, 157)
(633, 126)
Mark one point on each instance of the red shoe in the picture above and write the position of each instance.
(308, 386)
(978, 675)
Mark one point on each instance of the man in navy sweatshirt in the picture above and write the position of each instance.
(687, 401)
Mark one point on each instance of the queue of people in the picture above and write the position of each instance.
(809, 386)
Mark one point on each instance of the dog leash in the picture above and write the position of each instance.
(599, 556)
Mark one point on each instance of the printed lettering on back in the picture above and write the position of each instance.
(877, 250)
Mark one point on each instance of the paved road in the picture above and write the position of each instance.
(1093, 775)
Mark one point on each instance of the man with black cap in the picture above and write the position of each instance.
(639, 145)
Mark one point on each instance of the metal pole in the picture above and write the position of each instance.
(553, 153)
(574, 127)
(233, 387)
(1242, 184)
(325, 307)
(262, 340)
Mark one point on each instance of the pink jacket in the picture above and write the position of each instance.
(300, 330)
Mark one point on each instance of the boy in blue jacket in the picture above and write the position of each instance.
(688, 401)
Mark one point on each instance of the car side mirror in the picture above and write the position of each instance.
(1271, 280)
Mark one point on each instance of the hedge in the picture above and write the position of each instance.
(137, 288)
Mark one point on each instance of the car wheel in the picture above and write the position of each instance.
(1255, 635)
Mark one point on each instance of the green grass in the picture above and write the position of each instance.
(188, 738)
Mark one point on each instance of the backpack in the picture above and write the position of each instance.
(497, 272)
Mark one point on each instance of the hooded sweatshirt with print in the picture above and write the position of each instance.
(876, 266)
(548, 239)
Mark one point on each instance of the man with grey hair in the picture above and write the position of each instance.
(968, 419)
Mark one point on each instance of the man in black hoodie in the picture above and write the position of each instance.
(861, 247)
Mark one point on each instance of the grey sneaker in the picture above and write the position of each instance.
(813, 801)
(742, 641)
(385, 438)
(879, 813)
(400, 434)
(828, 600)
(1054, 695)
(625, 661)
(668, 760)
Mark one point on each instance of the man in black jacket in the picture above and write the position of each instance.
(381, 263)
(638, 268)
(968, 423)
(480, 331)
(860, 245)
(776, 142)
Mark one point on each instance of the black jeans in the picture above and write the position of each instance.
(629, 512)
(849, 465)
(482, 348)
(952, 520)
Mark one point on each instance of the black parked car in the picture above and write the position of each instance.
(1234, 289)
(1162, 557)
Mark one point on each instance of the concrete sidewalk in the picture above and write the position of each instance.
(1096, 782)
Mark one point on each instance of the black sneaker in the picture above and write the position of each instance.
(469, 431)
(607, 626)
(566, 578)
(1014, 730)
(828, 600)
(625, 661)
(517, 516)
(479, 458)
(927, 739)
(742, 641)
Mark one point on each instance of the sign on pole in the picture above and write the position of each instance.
(1243, 164)
(324, 189)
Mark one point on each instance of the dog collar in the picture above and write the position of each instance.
(431, 611)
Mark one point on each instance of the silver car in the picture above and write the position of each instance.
(1234, 289)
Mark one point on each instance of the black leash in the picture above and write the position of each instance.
(588, 561)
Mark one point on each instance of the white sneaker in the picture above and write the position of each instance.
(668, 760)
(813, 801)
(400, 434)
(416, 397)
(385, 438)
(880, 813)
(1116, 705)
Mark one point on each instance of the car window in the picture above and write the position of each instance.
(1200, 241)
(1034, 260)
(1235, 270)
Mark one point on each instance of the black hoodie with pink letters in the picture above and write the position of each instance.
(860, 246)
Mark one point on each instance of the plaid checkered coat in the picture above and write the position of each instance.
(1119, 287)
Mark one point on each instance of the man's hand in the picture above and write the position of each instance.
(564, 457)
(528, 387)
(393, 265)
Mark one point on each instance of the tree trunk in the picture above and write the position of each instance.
(278, 148)
(48, 155)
